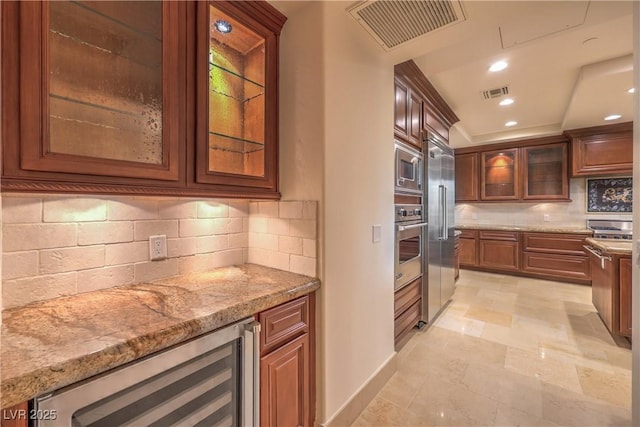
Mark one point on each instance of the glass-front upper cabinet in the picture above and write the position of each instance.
(237, 93)
(97, 90)
(499, 175)
(545, 174)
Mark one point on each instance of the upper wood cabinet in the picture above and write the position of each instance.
(499, 179)
(466, 170)
(103, 96)
(407, 114)
(545, 172)
(237, 95)
(602, 150)
(528, 170)
(418, 107)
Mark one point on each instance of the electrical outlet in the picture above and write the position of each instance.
(474, 215)
(158, 247)
(546, 217)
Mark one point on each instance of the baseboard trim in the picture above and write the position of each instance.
(352, 409)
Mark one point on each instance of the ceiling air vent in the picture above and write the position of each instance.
(393, 22)
(495, 93)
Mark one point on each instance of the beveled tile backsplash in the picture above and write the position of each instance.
(55, 245)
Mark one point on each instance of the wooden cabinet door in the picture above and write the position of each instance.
(500, 175)
(602, 150)
(415, 120)
(466, 170)
(237, 95)
(625, 297)
(401, 110)
(284, 385)
(499, 254)
(545, 172)
(456, 253)
(602, 290)
(468, 252)
(93, 92)
(556, 266)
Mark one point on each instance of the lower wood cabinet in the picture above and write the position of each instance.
(287, 364)
(15, 416)
(554, 256)
(499, 250)
(468, 253)
(604, 289)
(625, 297)
(407, 306)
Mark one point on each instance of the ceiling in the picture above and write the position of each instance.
(570, 65)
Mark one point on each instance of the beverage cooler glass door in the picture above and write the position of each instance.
(211, 380)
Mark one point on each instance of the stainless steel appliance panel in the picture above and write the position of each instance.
(408, 169)
(440, 202)
(211, 380)
(409, 248)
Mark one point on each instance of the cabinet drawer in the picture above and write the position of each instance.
(554, 265)
(552, 243)
(407, 296)
(499, 254)
(283, 323)
(407, 320)
(499, 235)
(468, 234)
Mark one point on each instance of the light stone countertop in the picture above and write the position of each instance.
(533, 228)
(611, 246)
(51, 344)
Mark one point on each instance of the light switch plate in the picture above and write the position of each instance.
(158, 247)
(377, 233)
(546, 217)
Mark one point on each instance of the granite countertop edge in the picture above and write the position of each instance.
(45, 379)
(537, 228)
(613, 247)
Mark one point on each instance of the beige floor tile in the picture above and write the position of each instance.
(384, 413)
(553, 364)
(509, 388)
(538, 365)
(508, 416)
(489, 316)
(444, 404)
(513, 338)
(572, 409)
(613, 388)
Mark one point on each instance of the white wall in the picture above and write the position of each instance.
(337, 136)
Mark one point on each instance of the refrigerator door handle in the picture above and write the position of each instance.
(445, 226)
(441, 211)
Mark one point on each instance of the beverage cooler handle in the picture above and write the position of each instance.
(253, 329)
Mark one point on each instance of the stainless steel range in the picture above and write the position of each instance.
(611, 228)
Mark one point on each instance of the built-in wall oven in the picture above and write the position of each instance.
(408, 169)
(409, 250)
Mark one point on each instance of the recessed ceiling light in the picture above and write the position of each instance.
(223, 26)
(511, 123)
(506, 101)
(632, 90)
(498, 66)
(613, 117)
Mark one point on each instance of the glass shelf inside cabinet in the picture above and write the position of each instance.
(236, 97)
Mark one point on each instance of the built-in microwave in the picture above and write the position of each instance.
(408, 169)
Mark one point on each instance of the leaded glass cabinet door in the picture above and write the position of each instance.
(99, 88)
(237, 93)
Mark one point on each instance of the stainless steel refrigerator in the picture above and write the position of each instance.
(439, 204)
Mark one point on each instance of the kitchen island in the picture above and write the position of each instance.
(51, 344)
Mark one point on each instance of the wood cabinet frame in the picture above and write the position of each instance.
(28, 165)
(521, 175)
(602, 150)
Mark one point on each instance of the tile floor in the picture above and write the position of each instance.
(509, 351)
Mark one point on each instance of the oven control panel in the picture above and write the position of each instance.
(408, 212)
